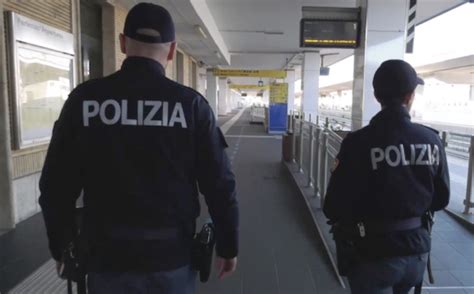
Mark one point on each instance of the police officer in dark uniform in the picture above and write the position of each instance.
(388, 175)
(141, 147)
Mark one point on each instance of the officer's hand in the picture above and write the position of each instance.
(226, 266)
(60, 269)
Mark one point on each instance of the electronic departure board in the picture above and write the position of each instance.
(319, 33)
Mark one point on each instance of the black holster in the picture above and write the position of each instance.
(428, 222)
(202, 251)
(347, 255)
(74, 266)
(74, 259)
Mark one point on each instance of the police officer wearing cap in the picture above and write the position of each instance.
(388, 175)
(141, 147)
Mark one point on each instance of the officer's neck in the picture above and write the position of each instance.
(159, 59)
(404, 105)
(385, 106)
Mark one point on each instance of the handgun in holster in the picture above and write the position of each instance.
(203, 247)
(428, 221)
(347, 254)
(74, 260)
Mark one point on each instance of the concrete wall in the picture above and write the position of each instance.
(113, 20)
(7, 213)
(26, 197)
(186, 71)
(170, 71)
(120, 15)
(20, 169)
(108, 39)
(201, 80)
(54, 13)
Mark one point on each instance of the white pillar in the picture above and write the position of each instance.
(235, 99)
(266, 97)
(290, 79)
(222, 104)
(229, 104)
(211, 90)
(231, 96)
(471, 92)
(380, 40)
(310, 99)
(201, 80)
(7, 202)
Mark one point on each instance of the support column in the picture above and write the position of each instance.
(310, 99)
(7, 202)
(235, 99)
(290, 79)
(108, 38)
(471, 93)
(201, 81)
(222, 104)
(211, 90)
(380, 40)
(76, 28)
(266, 97)
(230, 105)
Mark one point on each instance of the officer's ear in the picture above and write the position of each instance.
(123, 46)
(172, 50)
(408, 99)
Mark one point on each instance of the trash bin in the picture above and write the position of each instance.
(287, 147)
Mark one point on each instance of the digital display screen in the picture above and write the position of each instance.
(329, 33)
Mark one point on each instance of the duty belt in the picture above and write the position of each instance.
(388, 226)
(134, 233)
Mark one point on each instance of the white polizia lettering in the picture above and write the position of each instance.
(376, 155)
(146, 113)
(155, 107)
(178, 116)
(392, 155)
(115, 111)
(89, 109)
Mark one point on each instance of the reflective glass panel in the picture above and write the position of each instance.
(45, 80)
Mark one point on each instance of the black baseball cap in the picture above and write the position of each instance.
(394, 79)
(149, 23)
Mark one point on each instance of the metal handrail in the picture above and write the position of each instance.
(468, 204)
(324, 145)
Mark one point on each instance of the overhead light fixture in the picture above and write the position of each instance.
(255, 31)
(199, 29)
(273, 33)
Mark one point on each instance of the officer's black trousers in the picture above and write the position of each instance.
(395, 275)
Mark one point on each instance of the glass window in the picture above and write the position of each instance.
(45, 79)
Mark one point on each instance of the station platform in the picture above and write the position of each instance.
(280, 248)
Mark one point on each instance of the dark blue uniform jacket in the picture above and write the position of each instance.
(392, 169)
(141, 147)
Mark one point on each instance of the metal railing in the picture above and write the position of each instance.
(468, 203)
(315, 147)
(458, 144)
